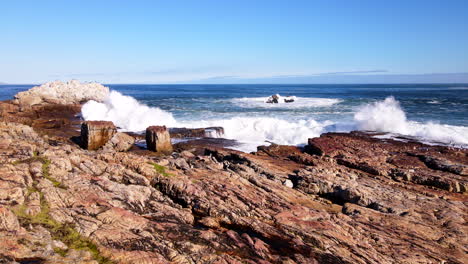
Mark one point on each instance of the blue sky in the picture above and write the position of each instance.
(229, 41)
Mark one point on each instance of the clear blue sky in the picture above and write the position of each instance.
(182, 41)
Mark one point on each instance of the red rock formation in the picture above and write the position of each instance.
(95, 134)
(362, 200)
(158, 139)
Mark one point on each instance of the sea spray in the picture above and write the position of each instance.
(299, 102)
(255, 131)
(126, 113)
(385, 116)
(388, 116)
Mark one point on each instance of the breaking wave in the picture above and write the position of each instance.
(299, 102)
(388, 116)
(384, 116)
(254, 131)
(126, 113)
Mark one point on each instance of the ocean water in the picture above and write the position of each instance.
(433, 113)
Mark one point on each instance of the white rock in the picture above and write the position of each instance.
(71, 92)
(288, 183)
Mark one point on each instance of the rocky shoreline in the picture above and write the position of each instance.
(344, 198)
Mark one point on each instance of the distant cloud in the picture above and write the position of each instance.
(223, 77)
(353, 77)
(201, 75)
(353, 72)
(209, 69)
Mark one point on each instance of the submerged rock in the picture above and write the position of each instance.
(158, 139)
(95, 134)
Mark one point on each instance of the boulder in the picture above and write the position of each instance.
(289, 99)
(158, 139)
(71, 92)
(274, 99)
(95, 134)
(120, 142)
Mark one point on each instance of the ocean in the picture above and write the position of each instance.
(432, 113)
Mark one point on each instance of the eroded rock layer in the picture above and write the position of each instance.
(352, 204)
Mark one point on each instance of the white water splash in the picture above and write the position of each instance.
(126, 113)
(384, 116)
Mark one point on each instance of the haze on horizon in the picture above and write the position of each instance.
(234, 42)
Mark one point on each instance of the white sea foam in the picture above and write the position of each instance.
(299, 102)
(385, 116)
(388, 116)
(254, 131)
(126, 112)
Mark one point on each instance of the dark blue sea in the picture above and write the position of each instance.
(433, 113)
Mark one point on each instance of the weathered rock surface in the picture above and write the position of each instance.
(363, 200)
(436, 166)
(158, 139)
(64, 93)
(95, 134)
(210, 132)
(120, 142)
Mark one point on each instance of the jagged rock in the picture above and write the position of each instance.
(95, 134)
(444, 165)
(274, 99)
(8, 221)
(225, 206)
(71, 92)
(158, 139)
(120, 142)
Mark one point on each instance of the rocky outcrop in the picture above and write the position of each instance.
(62, 204)
(63, 93)
(158, 139)
(276, 99)
(437, 166)
(95, 134)
(119, 142)
(208, 132)
(345, 198)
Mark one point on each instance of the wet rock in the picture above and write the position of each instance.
(95, 134)
(274, 99)
(444, 165)
(158, 139)
(208, 132)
